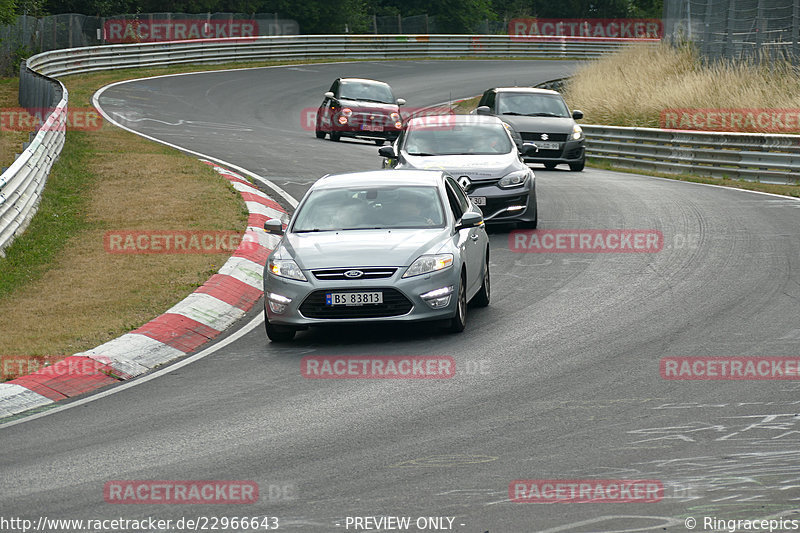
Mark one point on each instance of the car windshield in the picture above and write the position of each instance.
(531, 104)
(367, 92)
(379, 207)
(455, 139)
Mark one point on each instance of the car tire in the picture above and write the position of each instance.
(577, 167)
(459, 321)
(278, 333)
(484, 294)
(336, 136)
(551, 166)
(320, 134)
(379, 142)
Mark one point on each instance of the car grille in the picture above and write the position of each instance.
(394, 304)
(551, 137)
(334, 274)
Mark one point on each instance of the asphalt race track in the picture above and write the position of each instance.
(557, 379)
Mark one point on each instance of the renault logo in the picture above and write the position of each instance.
(464, 182)
(353, 274)
(545, 136)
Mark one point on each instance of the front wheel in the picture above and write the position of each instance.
(278, 333)
(550, 166)
(482, 298)
(577, 167)
(379, 142)
(336, 136)
(459, 321)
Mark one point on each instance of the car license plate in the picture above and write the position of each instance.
(370, 126)
(353, 298)
(547, 146)
(478, 200)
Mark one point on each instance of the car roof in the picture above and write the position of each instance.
(534, 90)
(380, 177)
(364, 80)
(453, 120)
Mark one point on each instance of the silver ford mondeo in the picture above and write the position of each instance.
(385, 245)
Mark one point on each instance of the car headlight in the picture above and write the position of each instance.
(347, 111)
(429, 263)
(286, 268)
(395, 117)
(514, 179)
(577, 132)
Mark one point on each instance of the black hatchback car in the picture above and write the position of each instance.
(361, 108)
(541, 117)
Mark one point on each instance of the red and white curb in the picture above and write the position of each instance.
(225, 298)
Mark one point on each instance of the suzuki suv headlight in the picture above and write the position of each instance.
(577, 132)
(429, 263)
(286, 268)
(514, 179)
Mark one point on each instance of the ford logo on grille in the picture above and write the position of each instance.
(353, 274)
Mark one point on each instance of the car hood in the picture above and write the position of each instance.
(477, 167)
(369, 107)
(539, 124)
(362, 248)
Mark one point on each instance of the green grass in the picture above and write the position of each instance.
(60, 216)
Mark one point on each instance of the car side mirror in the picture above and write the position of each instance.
(483, 110)
(529, 149)
(469, 220)
(387, 152)
(577, 114)
(328, 94)
(273, 226)
(401, 101)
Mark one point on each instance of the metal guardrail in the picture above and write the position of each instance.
(88, 59)
(22, 183)
(760, 157)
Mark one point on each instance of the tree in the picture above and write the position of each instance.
(7, 11)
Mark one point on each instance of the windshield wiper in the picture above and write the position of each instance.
(544, 115)
(513, 113)
(309, 230)
(420, 153)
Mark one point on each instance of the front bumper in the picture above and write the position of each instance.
(366, 127)
(570, 152)
(507, 205)
(402, 299)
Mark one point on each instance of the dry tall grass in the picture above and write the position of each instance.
(632, 87)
